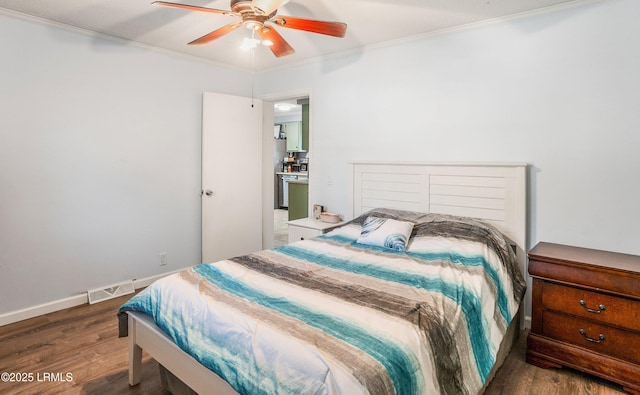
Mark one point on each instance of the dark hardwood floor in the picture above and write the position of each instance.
(83, 341)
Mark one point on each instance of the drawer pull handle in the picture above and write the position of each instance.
(584, 304)
(600, 338)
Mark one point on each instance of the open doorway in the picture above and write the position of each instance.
(291, 161)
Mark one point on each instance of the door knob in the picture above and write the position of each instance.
(208, 192)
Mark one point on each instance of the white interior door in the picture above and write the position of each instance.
(231, 176)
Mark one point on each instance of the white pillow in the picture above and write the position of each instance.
(385, 232)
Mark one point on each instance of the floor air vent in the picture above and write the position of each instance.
(100, 294)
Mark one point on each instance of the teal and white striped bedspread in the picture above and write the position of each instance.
(330, 316)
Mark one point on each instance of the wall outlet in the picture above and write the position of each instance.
(163, 258)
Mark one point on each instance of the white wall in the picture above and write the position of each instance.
(100, 141)
(99, 160)
(559, 90)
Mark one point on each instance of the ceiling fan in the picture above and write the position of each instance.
(258, 15)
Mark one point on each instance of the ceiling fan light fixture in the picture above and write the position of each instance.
(249, 43)
(253, 25)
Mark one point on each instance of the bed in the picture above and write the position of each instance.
(433, 309)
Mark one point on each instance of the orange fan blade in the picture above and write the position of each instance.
(207, 38)
(280, 47)
(192, 7)
(336, 29)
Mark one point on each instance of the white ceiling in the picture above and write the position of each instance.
(370, 22)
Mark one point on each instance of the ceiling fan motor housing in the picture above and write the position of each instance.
(244, 7)
(250, 18)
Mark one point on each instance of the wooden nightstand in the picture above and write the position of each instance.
(586, 312)
(306, 228)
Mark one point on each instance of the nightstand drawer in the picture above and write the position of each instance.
(307, 228)
(602, 339)
(297, 233)
(603, 308)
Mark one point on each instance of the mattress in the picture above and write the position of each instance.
(331, 315)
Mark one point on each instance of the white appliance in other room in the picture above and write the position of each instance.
(283, 195)
(279, 150)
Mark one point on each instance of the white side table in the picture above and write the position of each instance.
(306, 228)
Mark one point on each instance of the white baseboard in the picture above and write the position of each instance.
(145, 282)
(72, 301)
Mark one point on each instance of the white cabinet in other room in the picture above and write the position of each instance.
(293, 133)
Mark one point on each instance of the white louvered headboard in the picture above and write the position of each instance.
(494, 193)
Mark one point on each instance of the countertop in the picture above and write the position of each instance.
(297, 173)
(302, 182)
